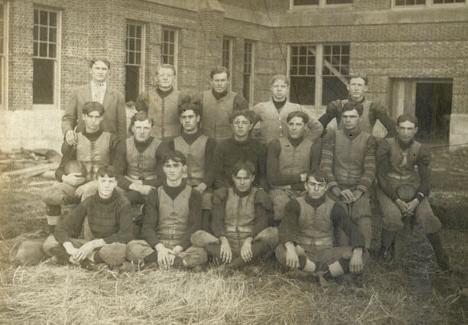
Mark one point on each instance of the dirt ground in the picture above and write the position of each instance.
(49, 294)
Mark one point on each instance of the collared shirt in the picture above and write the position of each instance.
(98, 91)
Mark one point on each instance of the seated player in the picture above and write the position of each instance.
(139, 164)
(348, 161)
(241, 147)
(403, 173)
(307, 230)
(240, 221)
(105, 221)
(94, 148)
(172, 214)
(289, 160)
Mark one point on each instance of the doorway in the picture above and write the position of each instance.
(430, 100)
(433, 109)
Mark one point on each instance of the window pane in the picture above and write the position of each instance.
(334, 2)
(36, 16)
(52, 50)
(305, 2)
(333, 89)
(43, 18)
(132, 82)
(43, 32)
(43, 81)
(302, 90)
(52, 18)
(52, 35)
(43, 49)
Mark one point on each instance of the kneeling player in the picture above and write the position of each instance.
(307, 229)
(240, 221)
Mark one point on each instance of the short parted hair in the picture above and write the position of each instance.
(246, 165)
(219, 69)
(94, 60)
(319, 176)
(166, 66)
(140, 116)
(407, 117)
(174, 155)
(358, 75)
(281, 77)
(106, 170)
(93, 106)
(248, 114)
(301, 114)
(350, 106)
(189, 104)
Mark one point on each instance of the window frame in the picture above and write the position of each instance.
(429, 4)
(230, 41)
(57, 61)
(4, 57)
(318, 71)
(176, 45)
(142, 65)
(321, 4)
(252, 69)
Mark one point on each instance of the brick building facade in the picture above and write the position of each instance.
(415, 53)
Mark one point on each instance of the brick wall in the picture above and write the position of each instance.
(385, 44)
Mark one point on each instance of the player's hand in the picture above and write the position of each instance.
(73, 179)
(165, 256)
(347, 195)
(402, 205)
(84, 251)
(70, 138)
(356, 264)
(246, 250)
(177, 250)
(357, 194)
(292, 259)
(412, 205)
(201, 187)
(225, 251)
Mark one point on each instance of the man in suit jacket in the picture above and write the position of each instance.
(96, 90)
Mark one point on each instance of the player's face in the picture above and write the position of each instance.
(142, 130)
(279, 90)
(106, 186)
(174, 170)
(315, 189)
(241, 127)
(296, 127)
(243, 181)
(220, 82)
(92, 121)
(189, 121)
(99, 71)
(356, 88)
(406, 131)
(350, 119)
(165, 78)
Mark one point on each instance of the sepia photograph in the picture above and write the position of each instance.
(234, 162)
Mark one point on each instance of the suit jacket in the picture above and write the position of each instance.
(114, 121)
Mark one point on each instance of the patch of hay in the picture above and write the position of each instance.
(49, 294)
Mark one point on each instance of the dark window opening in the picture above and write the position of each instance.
(43, 81)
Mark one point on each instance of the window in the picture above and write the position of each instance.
(334, 72)
(307, 62)
(226, 60)
(248, 71)
(408, 3)
(134, 67)
(319, 3)
(46, 58)
(169, 47)
(3, 54)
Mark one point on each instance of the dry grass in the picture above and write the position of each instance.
(49, 294)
